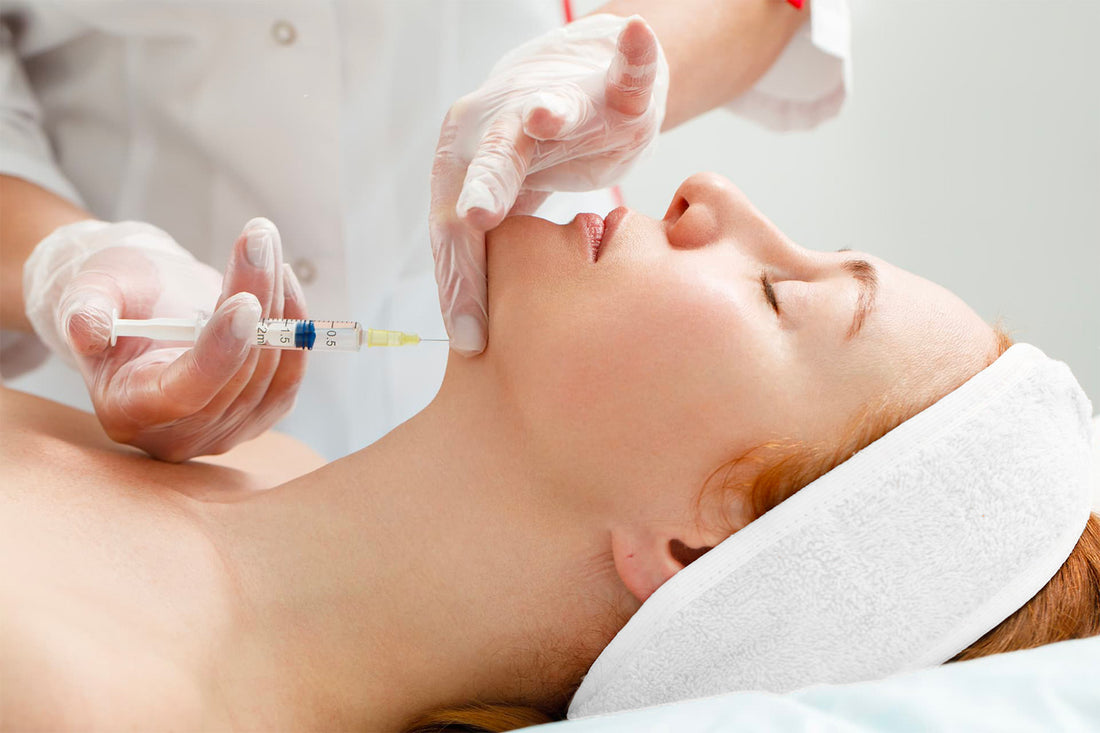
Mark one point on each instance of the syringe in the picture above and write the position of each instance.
(273, 333)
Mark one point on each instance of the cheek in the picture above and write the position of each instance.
(654, 358)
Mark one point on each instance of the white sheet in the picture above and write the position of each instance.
(1050, 688)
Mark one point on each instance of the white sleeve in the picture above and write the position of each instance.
(809, 81)
(25, 150)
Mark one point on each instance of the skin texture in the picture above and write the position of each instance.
(592, 353)
(489, 547)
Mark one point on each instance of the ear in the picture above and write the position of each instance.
(645, 559)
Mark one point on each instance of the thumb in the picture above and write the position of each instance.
(468, 331)
(633, 70)
(87, 313)
(460, 275)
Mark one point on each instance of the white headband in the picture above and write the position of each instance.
(898, 558)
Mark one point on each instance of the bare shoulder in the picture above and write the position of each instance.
(64, 666)
(111, 597)
(116, 609)
(34, 430)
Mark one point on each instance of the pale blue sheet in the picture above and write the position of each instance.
(1055, 687)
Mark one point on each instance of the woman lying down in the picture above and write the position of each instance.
(782, 466)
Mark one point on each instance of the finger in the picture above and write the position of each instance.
(283, 388)
(154, 396)
(257, 257)
(633, 69)
(87, 311)
(244, 408)
(275, 310)
(458, 248)
(113, 281)
(267, 360)
(448, 174)
(251, 267)
(460, 274)
(495, 175)
(552, 115)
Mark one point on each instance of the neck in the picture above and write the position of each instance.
(430, 569)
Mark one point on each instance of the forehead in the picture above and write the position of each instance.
(933, 336)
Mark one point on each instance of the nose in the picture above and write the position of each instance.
(705, 207)
(708, 208)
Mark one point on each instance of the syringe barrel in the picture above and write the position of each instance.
(289, 333)
(272, 333)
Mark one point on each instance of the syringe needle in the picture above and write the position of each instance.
(442, 341)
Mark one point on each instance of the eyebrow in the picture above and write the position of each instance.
(866, 277)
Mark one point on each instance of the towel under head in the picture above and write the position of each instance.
(898, 558)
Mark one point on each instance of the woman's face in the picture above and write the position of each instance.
(640, 368)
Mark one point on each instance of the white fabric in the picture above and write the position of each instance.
(322, 116)
(1038, 690)
(809, 82)
(1096, 461)
(897, 559)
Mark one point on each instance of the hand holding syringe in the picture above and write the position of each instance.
(272, 333)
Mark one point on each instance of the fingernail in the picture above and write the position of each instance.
(475, 195)
(244, 320)
(468, 335)
(257, 248)
(89, 323)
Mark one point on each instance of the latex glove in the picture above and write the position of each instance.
(568, 111)
(172, 401)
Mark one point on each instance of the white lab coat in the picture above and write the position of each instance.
(323, 117)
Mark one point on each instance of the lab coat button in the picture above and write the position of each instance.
(283, 33)
(305, 270)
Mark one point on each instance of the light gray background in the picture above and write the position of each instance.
(968, 152)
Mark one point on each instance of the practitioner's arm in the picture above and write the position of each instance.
(715, 50)
(27, 214)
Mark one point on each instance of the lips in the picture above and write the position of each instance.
(598, 231)
(611, 222)
(592, 227)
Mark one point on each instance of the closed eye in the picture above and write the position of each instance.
(769, 291)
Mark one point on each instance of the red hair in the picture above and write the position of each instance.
(1067, 607)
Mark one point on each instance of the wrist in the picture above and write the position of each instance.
(28, 214)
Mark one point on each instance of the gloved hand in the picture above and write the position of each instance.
(172, 402)
(569, 111)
